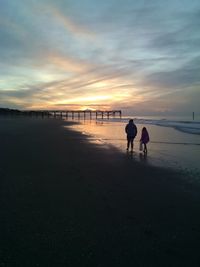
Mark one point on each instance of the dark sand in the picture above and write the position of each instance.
(65, 202)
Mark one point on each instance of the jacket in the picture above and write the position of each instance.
(131, 130)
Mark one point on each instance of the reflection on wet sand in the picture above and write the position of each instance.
(143, 157)
(167, 147)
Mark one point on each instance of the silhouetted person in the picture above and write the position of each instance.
(144, 139)
(131, 131)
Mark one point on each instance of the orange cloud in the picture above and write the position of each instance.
(67, 64)
(69, 24)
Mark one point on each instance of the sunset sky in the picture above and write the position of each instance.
(139, 56)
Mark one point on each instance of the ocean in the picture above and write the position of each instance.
(174, 142)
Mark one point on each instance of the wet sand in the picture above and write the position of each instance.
(167, 147)
(65, 202)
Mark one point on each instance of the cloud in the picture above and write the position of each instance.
(121, 52)
(69, 24)
(183, 77)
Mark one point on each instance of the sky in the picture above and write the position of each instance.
(142, 57)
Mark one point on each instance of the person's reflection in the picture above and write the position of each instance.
(143, 157)
(130, 155)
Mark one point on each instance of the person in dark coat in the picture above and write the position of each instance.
(131, 132)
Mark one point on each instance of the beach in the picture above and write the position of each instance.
(168, 146)
(69, 202)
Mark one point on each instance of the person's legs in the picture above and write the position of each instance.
(131, 144)
(128, 143)
(145, 148)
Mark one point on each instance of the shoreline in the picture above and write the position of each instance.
(66, 202)
(167, 147)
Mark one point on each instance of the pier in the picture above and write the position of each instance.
(76, 113)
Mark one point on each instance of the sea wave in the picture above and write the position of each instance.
(190, 127)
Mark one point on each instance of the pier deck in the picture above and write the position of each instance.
(76, 113)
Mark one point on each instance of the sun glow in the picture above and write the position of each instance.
(87, 99)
